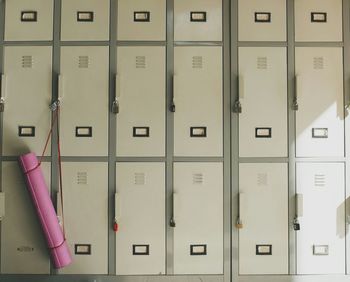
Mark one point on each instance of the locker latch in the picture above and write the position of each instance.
(2, 105)
(295, 105)
(115, 107)
(239, 223)
(296, 224)
(237, 107)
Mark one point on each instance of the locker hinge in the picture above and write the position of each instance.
(237, 107)
(115, 107)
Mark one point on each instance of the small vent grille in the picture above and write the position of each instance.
(84, 62)
(139, 178)
(197, 62)
(198, 178)
(262, 179)
(318, 63)
(27, 61)
(140, 62)
(82, 178)
(320, 180)
(262, 63)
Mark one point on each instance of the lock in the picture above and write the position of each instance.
(2, 106)
(172, 223)
(295, 106)
(172, 107)
(296, 225)
(115, 107)
(237, 108)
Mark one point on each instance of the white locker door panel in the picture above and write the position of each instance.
(321, 240)
(26, 89)
(318, 20)
(319, 88)
(198, 99)
(85, 196)
(263, 240)
(23, 245)
(198, 214)
(84, 101)
(28, 20)
(140, 213)
(263, 93)
(142, 20)
(141, 117)
(198, 20)
(85, 20)
(262, 20)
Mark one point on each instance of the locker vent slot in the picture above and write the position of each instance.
(318, 63)
(29, 16)
(198, 250)
(139, 178)
(82, 249)
(140, 250)
(84, 62)
(25, 249)
(198, 178)
(263, 250)
(27, 61)
(262, 63)
(320, 180)
(82, 178)
(140, 62)
(262, 179)
(197, 62)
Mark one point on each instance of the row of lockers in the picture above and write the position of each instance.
(194, 20)
(197, 101)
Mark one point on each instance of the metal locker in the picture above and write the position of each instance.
(85, 196)
(198, 20)
(26, 91)
(23, 246)
(198, 218)
(262, 20)
(321, 239)
(140, 214)
(141, 117)
(141, 20)
(85, 20)
(263, 94)
(83, 92)
(198, 101)
(319, 93)
(263, 212)
(318, 20)
(28, 20)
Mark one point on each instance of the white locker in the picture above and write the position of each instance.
(263, 240)
(23, 246)
(83, 93)
(197, 95)
(140, 214)
(263, 123)
(85, 20)
(318, 20)
(28, 20)
(26, 90)
(141, 117)
(141, 20)
(319, 90)
(198, 20)
(85, 196)
(198, 216)
(321, 240)
(262, 20)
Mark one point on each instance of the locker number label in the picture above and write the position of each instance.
(83, 131)
(85, 16)
(263, 132)
(26, 131)
(140, 250)
(263, 250)
(142, 16)
(320, 133)
(318, 17)
(82, 249)
(262, 17)
(198, 16)
(29, 16)
(320, 250)
(140, 132)
(198, 132)
(198, 250)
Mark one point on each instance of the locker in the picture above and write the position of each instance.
(318, 20)
(198, 218)
(28, 20)
(319, 91)
(141, 20)
(83, 93)
(321, 240)
(198, 20)
(140, 214)
(263, 94)
(197, 96)
(262, 20)
(23, 246)
(85, 196)
(26, 90)
(263, 240)
(85, 20)
(141, 117)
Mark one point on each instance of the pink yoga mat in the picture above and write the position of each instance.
(37, 188)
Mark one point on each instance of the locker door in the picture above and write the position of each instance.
(23, 246)
(28, 20)
(321, 240)
(318, 20)
(85, 196)
(142, 20)
(26, 89)
(263, 94)
(198, 215)
(84, 101)
(319, 89)
(262, 20)
(140, 213)
(141, 117)
(85, 20)
(263, 240)
(198, 100)
(198, 20)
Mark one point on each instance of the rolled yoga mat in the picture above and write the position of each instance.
(37, 188)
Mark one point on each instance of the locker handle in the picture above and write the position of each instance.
(173, 106)
(2, 205)
(3, 92)
(239, 221)
(173, 218)
(295, 105)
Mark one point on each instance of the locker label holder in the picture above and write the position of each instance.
(82, 249)
(262, 17)
(29, 16)
(198, 16)
(142, 16)
(141, 132)
(26, 131)
(198, 250)
(263, 250)
(320, 133)
(85, 16)
(263, 132)
(320, 250)
(318, 17)
(83, 131)
(140, 250)
(198, 132)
